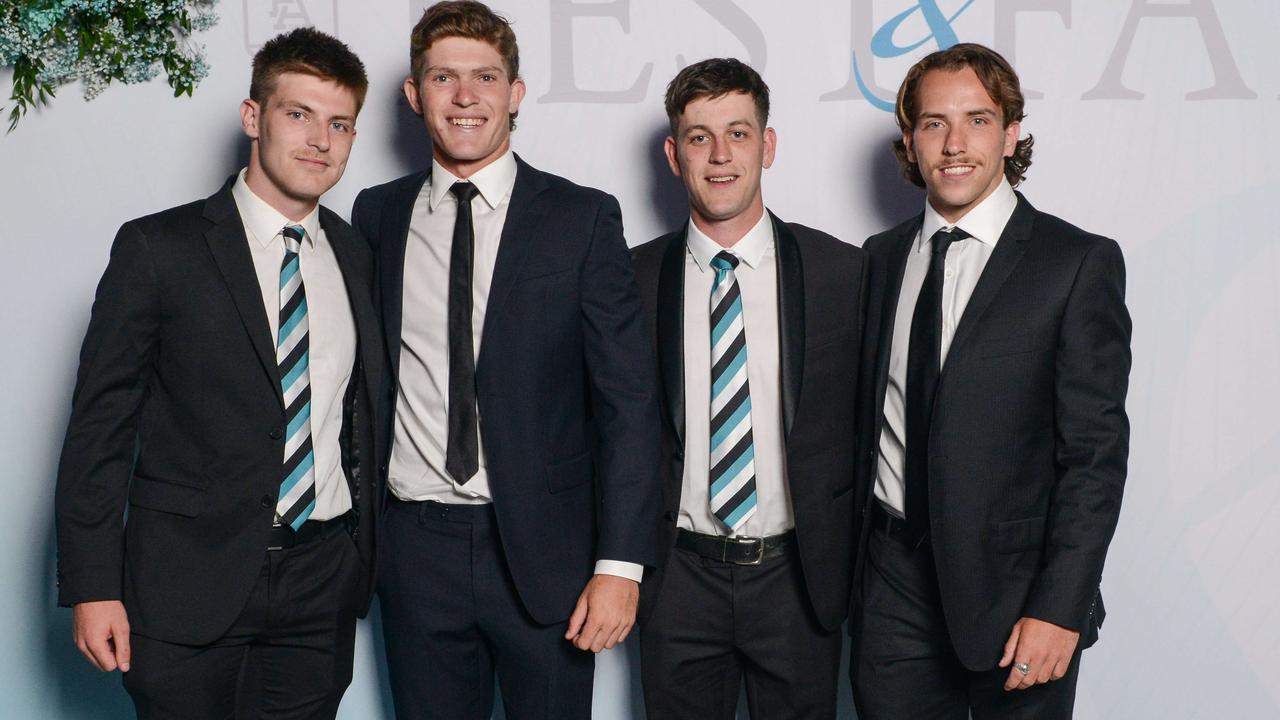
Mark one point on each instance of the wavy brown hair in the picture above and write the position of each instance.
(465, 19)
(1001, 82)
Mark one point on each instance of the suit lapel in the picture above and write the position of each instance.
(1009, 250)
(791, 319)
(230, 249)
(524, 215)
(394, 235)
(341, 239)
(895, 269)
(671, 329)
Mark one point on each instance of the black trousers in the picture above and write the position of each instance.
(715, 624)
(451, 618)
(902, 664)
(286, 657)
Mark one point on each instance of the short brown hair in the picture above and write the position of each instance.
(713, 78)
(310, 52)
(466, 19)
(1001, 83)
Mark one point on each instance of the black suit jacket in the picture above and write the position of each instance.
(178, 415)
(821, 283)
(1029, 441)
(564, 381)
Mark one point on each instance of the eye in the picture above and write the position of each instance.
(296, 115)
(697, 139)
(488, 78)
(340, 126)
(439, 78)
(980, 121)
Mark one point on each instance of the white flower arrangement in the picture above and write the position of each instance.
(50, 43)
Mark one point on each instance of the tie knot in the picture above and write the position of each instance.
(464, 191)
(943, 239)
(724, 261)
(293, 235)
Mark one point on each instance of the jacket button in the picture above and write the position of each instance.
(276, 433)
(268, 501)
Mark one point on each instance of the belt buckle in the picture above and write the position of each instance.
(759, 543)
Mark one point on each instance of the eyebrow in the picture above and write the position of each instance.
(732, 124)
(296, 105)
(987, 112)
(496, 69)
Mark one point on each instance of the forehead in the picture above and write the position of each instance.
(727, 109)
(942, 91)
(463, 53)
(316, 93)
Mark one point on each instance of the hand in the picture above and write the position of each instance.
(1046, 647)
(101, 632)
(605, 613)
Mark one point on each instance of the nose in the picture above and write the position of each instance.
(721, 153)
(318, 137)
(464, 94)
(955, 141)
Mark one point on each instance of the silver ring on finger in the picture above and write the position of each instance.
(1023, 668)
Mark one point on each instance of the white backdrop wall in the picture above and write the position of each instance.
(1157, 123)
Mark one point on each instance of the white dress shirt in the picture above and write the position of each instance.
(964, 264)
(758, 281)
(331, 332)
(417, 468)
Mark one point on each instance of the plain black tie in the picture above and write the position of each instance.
(462, 457)
(923, 366)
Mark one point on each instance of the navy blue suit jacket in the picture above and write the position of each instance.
(1029, 442)
(565, 381)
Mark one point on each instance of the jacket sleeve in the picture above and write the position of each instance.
(98, 452)
(623, 383)
(1091, 378)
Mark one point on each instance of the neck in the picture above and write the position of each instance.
(726, 233)
(291, 207)
(464, 169)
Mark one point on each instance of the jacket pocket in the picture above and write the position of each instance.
(165, 496)
(1014, 536)
(1001, 347)
(572, 472)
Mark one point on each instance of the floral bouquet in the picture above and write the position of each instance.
(51, 43)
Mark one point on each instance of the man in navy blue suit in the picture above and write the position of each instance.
(522, 416)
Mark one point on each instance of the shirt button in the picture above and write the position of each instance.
(276, 433)
(950, 273)
(268, 501)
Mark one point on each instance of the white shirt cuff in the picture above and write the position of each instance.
(628, 570)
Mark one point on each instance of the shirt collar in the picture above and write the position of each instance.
(493, 181)
(984, 223)
(263, 223)
(750, 248)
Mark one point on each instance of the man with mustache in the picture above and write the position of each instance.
(994, 436)
(225, 400)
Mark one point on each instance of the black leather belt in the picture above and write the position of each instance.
(284, 537)
(893, 526)
(736, 550)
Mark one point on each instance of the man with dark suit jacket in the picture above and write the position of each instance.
(224, 398)
(757, 324)
(995, 440)
(521, 407)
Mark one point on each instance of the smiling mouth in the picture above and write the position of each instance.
(721, 179)
(957, 170)
(467, 122)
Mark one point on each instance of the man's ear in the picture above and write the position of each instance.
(673, 160)
(410, 88)
(249, 113)
(909, 141)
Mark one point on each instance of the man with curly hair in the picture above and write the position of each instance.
(993, 434)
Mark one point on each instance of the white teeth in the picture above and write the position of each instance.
(957, 170)
(722, 178)
(467, 122)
